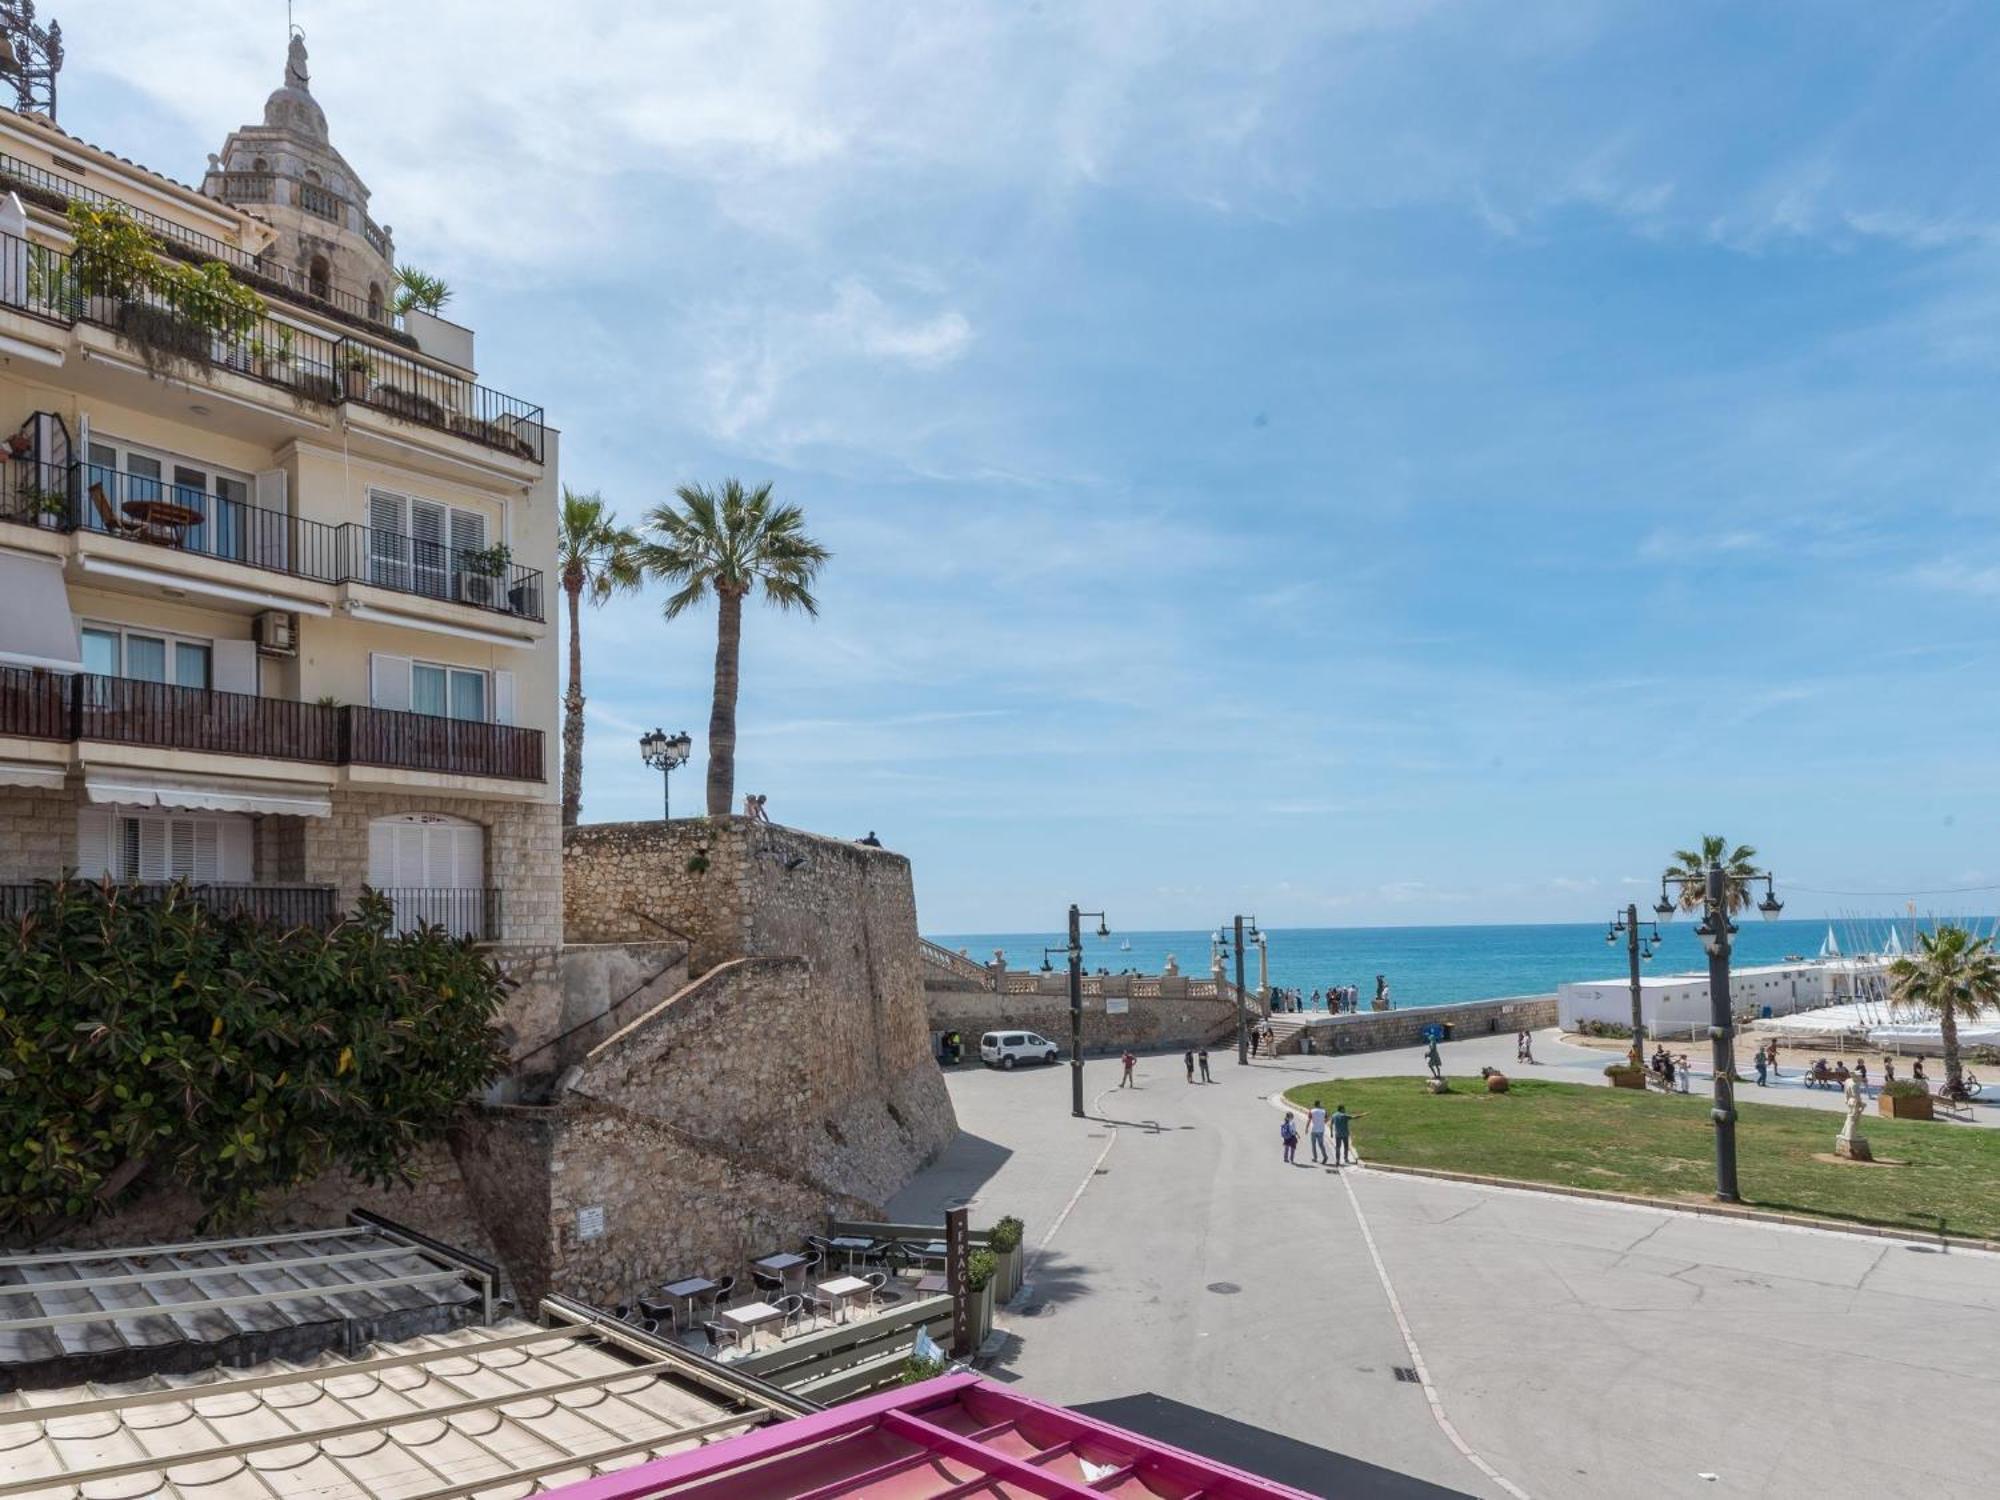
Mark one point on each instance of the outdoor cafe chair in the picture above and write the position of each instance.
(770, 1284)
(878, 1282)
(659, 1312)
(718, 1296)
(721, 1336)
(794, 1307)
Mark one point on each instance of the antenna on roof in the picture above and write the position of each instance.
(30, 55)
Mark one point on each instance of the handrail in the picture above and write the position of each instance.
(956, 964)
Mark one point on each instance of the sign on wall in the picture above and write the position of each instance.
(590, 1222)
(1116, 1005)
(958, 1276)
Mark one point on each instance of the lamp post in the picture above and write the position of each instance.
(1636, 949)
(666, 753)
(1074, 948)
(1242, 1025)
(1720, 890)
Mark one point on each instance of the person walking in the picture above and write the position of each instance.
(1131, 1061)
(1316, 1131)
(1861, 1073)
(1771, 1051)
(1256, 1039)
(1343, 1123)
(1289, 1134)
(1763, 1066)
(1202, 1058)
(1685, 1072)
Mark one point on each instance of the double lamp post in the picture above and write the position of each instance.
(1638, 949)
(1074, 948)
(1242, 1021)
(1718, 891)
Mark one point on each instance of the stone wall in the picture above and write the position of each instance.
(37, 834)
(1169, 1021)
(1374, 1031)
(568, 999)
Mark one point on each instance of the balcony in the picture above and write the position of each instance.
(282, 906)
(82, 706)
(111, 502)
(311, 367)
(468, 912)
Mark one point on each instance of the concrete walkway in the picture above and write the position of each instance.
(1572, 1348)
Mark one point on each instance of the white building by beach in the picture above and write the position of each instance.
(1678, 1003)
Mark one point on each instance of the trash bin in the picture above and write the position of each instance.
(1447, 1030)
(1767, 1012)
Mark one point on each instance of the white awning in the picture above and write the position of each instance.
(36, 627)
(15, 773)
(206, 794)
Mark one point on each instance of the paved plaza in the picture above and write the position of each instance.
(1572, 1348)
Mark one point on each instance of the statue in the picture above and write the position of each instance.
(1850, 1143)
(296, 76)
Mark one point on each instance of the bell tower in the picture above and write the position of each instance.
(287, 173)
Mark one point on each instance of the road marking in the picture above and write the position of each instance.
(1096, 1107)
(1416, 1354)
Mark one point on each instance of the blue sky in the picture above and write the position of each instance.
(1358, 462)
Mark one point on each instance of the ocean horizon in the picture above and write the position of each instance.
(1442, 964)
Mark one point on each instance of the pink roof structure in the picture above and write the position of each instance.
(957, 1435)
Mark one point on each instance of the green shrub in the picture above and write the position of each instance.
(1620, 1070)
(1007, 1234)
(146, 1040)
(917, 1370)
(980, 1267)
(1904, 1088)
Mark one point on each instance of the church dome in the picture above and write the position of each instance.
(292, 107)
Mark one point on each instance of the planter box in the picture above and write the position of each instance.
(1007, 1280)
(1915, 1107)
(982, 1313)
(1631, 1080)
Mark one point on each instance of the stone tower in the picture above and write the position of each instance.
(287, 173)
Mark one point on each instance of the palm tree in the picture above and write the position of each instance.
(594, 554)
(1951, 974)
(729, 543)
(1738, 869)
(420, 290)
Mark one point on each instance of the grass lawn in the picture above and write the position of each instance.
(1663, 1146)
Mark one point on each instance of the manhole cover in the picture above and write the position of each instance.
(1225, 1288)
(1406, 1373)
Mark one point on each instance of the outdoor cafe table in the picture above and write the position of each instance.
(852, 1245)
(932, 1281)
(782, 1266)
(751, 1316)
(841, 1291)
(687, 1291)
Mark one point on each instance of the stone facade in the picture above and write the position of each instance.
(1374, 1031)
(37, 834)
(568, 999)
(1170, 1020)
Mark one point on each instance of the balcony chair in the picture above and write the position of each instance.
(112, 522)
(725, 1287)
(795, 1307)
(770, 1286)
(661, 1313)
(879, 1294)
(721, 1336)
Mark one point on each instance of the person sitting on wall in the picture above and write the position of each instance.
(871, 842)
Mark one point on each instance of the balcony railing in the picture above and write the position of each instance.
(81, 706)
(399, 385)
(322, 202)
(35, 279)
(283, 906)
(468, 912)
(247, 187)
(112, 502)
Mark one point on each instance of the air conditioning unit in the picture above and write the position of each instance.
(276, 635)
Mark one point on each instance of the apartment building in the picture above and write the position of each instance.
(274, 591)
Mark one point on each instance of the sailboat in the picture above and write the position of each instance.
(1126, 946)
(1831, 947)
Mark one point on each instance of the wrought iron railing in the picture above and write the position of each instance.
(112, 502)
(35, 279)
(71, 707)
(470, 912)
(285, 906)
(430, 397)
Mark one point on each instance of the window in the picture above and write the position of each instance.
(319, 278)
(447, 692)
(114, 651)
(153, 846)
(222, 499)
(419, 546)
(375, 301)
(434, 868)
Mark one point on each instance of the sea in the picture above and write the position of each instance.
(1437, 965)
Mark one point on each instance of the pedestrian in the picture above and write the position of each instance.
(1256, 1039)
(1202, 1057)
(1686, 1072)
(1771, 1051)
(1527, 1046)
(1343, 1148)
(1888, 1071)
(1763, 1066)
(1316, 1131)
(1861, 1073)
(1131, 1061)
(1188, 1060)
(1667, 1070)
(1917, 1072)
(1431, 1058)
(1289, 1134)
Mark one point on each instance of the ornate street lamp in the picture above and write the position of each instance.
(666, 753)
(1715, 931)
(1074, 948)
(1222, 940)
(1638, 949)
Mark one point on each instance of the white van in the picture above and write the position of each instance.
(1005, 1048)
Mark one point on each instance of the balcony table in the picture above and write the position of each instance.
(841, 1291)
(164, 521)
(752, 1316)
(852, 1245)
(782, 1266)
(931, 1282)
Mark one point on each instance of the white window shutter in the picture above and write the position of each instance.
(389, 681)
(94, 853)
(152, 849)
(270, 539)
(503, 697)
(234, 859)
(381, 855)
(206, 854)
(385, 512)
(468, 856)
(427, 524)
(468, 531)
(233, 666)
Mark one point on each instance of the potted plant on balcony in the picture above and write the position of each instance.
(1905, 1099)
(357, 372)
(47, 508)
(478, 569)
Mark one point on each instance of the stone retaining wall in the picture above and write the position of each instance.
(1376, 1031)
(1148, 1023)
